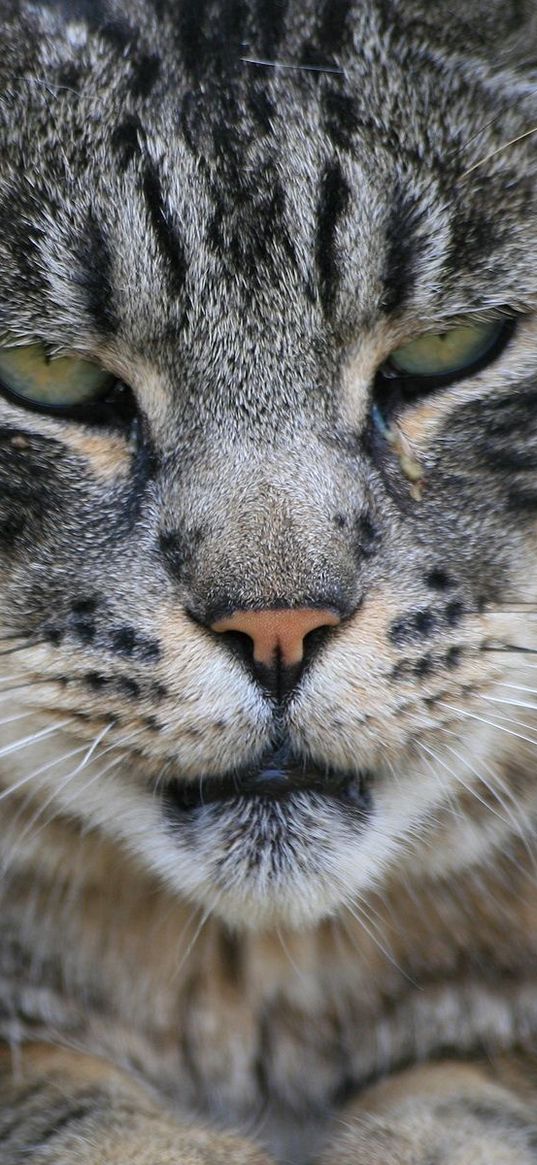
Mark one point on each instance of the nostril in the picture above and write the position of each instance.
(314, 640)
(240, 645)
(277, 633)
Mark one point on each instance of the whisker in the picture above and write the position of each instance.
(29, 827)
(507, 648)
(204, 919)
(292, 65)
(299, 971)
(66, 756)
(453, 806)
(26, 740)
(517, 687)
(356, 912)
(501, 149)
(21, 647)
(460, 781)
(62, 680)
(479, 133)
(519, 823)
(495, 793)
(489, 723)
(520, 607)
(509, 703)
(17, 716)
(503, 716)
(42, 768)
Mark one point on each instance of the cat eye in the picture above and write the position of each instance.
(437, 359)
(448, 353)
(30, 375)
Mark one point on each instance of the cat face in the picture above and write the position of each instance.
(241, 248)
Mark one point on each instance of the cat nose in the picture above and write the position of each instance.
(277, 636)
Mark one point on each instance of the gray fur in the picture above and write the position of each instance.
(240, 209)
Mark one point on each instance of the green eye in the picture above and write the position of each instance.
(54, 383)
(447, 353)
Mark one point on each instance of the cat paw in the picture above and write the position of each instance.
(146, 1142)
(481, 1125)
(163, 1147)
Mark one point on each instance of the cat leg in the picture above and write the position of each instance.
(62, 1108)
(441, 1114)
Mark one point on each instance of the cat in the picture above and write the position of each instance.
(268, 525)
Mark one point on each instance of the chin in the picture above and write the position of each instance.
(260, 862)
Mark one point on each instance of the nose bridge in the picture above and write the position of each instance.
(258, 535)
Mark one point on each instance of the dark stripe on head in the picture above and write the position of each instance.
(260, 104)
(474, 235)
(251, 233)
(229, 26)
(191, 39)
(399, 273)
(334, 198)
(191, 118)
(270, 20)
(340, 117)
(331, 35)
(95, 275)
(23, 242)
(334, 26)
(145, 74)
(503, 431)
(127, 139)
(119, 35)
(210, 38)
(168, 239)
(522, 501)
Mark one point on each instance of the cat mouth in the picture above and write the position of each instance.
(278, 777)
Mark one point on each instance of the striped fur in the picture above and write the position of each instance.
(240, 208)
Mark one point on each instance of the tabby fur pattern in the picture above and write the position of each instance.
(240, 208)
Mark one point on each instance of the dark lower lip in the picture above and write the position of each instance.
(274, 780)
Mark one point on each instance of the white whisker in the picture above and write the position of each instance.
(483, 720)
(27, 740)
(519, 687)
(518, 824)
(509, 703)
(17, 716)
(29, 827)
(453, 806)
(291, 65)
(37, 772)
(202, 923)
(356, 912)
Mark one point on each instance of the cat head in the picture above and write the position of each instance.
(267, 436)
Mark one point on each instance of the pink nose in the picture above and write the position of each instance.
(277, 633)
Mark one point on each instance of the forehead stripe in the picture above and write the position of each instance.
(334, 195)
(167, 236)
(95, 275)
